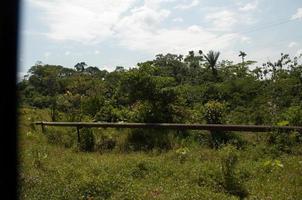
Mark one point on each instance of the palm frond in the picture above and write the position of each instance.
(212, 58)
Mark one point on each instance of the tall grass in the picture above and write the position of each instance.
(49, 169)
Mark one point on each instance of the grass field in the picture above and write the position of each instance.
(56, 169)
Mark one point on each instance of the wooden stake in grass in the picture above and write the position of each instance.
(78, 134)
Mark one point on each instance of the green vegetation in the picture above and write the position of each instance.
(170, 88)
(190, 170)
(167, 164)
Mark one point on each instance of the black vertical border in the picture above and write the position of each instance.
(9, 21)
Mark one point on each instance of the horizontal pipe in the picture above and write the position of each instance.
(223, 127)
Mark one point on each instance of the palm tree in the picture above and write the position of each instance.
(242, 54)
(212, 58)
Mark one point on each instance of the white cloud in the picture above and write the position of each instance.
(142, 30)
(96, 52)
(299, 52)
(155, 4)
(249, 6)
(298, 14)
(263, 54)
(222, 20)
(175, 40)
(133, 27)
(178, 19)
(79, 20)
(246, 39)
(292, 44)
(142, 17)
(185, 5)
(225, 19)
(231, 55)
(47, 54)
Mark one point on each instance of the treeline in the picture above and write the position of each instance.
(171, 88)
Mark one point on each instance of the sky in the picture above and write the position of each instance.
(110, 33)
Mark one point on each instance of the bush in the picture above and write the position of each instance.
(294, 115)
(59, 136)
(97, 189)
(140, 139)
(284, 141)
(141, 170)
(182, 154)
(214, 114)
(210, 176)
(235, 140)
(86, 140)
(105, 142)
(220, 138)
(231, 182)
(39, 155)
(271, 165)
(109, 113)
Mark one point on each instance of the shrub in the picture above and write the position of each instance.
(182, 154)
(109, 113)
(294, 115)
(86, 140)
(235, 140)
(203, 138)
(97, 189)
(261, 151)
(105, 142)
(210, 177)
(284, 141)
(231, 182)
(271, 165)
(59, 136)
(214, 114)
(140, 139)
(140, 170)
(39, 154)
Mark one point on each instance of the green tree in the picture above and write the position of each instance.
(242, 54)
(80, 67)
(212, 58)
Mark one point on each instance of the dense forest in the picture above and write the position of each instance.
(171, 88)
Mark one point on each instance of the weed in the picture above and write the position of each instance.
(231, 183)
(140, 170)
(182, 154)
(139, 139)
(87, 140)
(39, 154)
(105, 142)
(271, 165)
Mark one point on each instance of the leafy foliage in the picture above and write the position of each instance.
(231, 181)
(87, 140)
(48, 171)
(214, 114)
(279, 81)
(193, 88)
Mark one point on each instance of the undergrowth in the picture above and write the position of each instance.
(54, 168)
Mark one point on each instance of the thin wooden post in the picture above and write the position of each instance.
(42, 127)
(78, 133)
